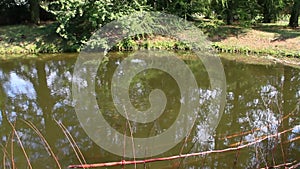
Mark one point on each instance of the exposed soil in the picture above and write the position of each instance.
(267, 38)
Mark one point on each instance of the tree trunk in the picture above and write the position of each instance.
(229, 13)
(295, 14)
(34, 11)
(267, 14)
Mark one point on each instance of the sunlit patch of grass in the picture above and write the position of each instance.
(17, 39)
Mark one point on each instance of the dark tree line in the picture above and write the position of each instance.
(19, 12)
(74, 16)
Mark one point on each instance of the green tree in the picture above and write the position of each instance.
(79, 18)
(270, 9)
(186, 9)
(242, 10)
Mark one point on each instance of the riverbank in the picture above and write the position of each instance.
(266, 39)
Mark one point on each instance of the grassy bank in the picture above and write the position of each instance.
(267, 39)
(30, 39)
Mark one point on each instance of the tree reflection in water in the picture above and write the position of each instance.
(261, 101)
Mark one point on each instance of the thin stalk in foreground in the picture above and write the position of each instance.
(73, 144)
(21, 145)
(46, 144)
(12, 150)
(131, 135)
(5, 155)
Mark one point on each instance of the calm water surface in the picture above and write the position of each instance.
(36, 96)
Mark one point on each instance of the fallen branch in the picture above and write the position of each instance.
(123, 162)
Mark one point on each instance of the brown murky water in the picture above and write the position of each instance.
(262, 100)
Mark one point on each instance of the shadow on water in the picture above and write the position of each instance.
(261, 101)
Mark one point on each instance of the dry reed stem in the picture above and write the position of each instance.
(295, 166)
(4, 148)
(73, 145)
(21, 144)
(5, 155)
(256, 129)
(292, 140)
(46, 144)
(4, 162)
(74, 142)
(12, 149)
(123, 162)
(281, 165)
(131, 135)
(237, 154)
(185, 141)
(258, 138)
